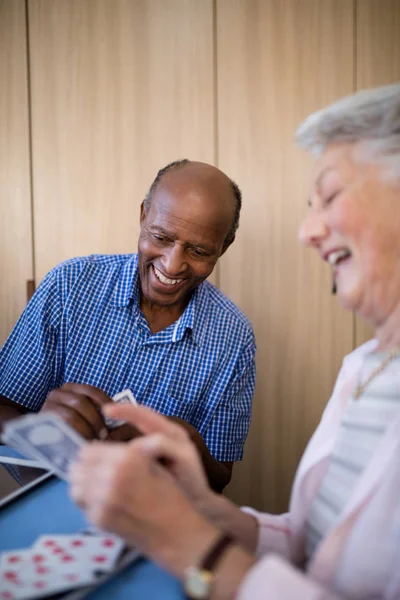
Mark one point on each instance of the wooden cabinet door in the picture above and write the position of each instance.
(119, 89)
(277, 62)
(15, 197)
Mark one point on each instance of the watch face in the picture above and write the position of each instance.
(197, 583)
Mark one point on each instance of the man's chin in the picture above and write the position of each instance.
(165, 299)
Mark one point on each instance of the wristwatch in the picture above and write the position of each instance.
(197, 581)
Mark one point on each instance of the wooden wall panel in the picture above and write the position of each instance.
(277, 62)
(15, 200)
(378, 63)
(119, 89)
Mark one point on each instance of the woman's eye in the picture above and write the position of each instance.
(329, 199)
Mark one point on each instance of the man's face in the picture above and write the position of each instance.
(182, 235)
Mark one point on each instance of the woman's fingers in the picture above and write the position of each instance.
(158, 445)
(145, 419)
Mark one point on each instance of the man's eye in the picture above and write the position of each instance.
(199, 253)
(159, 237)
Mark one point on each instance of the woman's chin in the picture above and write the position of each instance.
(348, 299)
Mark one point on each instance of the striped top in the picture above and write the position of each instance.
(361, 430)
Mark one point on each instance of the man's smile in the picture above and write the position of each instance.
(166, 280)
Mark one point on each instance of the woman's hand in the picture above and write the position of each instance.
(125, 491)
(170, 443)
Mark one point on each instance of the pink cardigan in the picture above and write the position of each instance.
(360, 557)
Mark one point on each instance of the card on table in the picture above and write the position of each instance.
(56, 563)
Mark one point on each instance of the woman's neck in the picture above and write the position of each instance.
(387, 332)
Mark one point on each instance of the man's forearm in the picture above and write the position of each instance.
(9, 410)
(218, 473)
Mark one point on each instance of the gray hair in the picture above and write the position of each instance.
(368, 116)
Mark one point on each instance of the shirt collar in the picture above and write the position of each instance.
(126, 288)
(127, 291)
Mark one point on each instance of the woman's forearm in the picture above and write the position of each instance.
(225, 515)
(188, 543)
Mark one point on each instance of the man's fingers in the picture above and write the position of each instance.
(79, 412)
(97, 396)
(145, 419)
(75, 420)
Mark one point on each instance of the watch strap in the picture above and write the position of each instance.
(215, 552)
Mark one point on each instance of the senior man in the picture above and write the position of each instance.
(148, 322)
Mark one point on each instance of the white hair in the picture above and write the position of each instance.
(368, 117)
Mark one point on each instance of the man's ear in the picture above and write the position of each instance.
(142, 212)
(225, 247)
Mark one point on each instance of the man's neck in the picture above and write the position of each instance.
(160, 317)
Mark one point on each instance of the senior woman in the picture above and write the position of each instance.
(341, 537)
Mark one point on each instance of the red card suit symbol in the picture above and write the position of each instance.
(40, 585)
(14, 559)
(67, 558)
(41, 570)
(38, 558)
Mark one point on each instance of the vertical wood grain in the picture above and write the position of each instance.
(119, 89)
(277, 62)
(15, 200)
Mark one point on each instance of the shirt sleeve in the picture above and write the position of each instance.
(226, 432)
(274, 535)
(27, 358)
(272, 578)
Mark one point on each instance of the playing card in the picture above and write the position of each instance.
(125, 397)
(26, 574)
(9, 439)
(47, 438)
(99, 552)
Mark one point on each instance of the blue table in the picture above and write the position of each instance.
(47, 508)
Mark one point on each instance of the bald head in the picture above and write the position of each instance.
(195, 178)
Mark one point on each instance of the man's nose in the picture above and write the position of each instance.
(173, 260)
(313, 230)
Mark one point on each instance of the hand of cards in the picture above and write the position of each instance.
(45, 437)
(56, 563)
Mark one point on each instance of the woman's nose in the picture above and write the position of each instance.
(312, 230)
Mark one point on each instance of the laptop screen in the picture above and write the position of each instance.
(15, 478)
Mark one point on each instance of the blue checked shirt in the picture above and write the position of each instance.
(84, 325)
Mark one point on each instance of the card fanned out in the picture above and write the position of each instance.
(46, 438)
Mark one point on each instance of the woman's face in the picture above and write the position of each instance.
(354, 224)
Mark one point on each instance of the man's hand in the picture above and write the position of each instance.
(218, 473)
(9, 410)
(80, 406)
